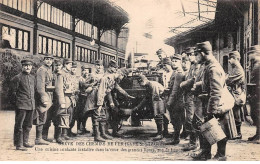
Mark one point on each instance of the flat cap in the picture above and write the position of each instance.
(203, 47)
(58, 62)
(141, 78)
(48, 56)
(235, 54)
(66, 61)
(113, 63)
(166, 60)
(98, 62)
(255, 48)
(189, 50)
(27, 60)
(74, 64)
(176, 56)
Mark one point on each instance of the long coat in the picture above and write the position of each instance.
(22, 87)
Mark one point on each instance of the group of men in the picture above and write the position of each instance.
(60, 97)
(195, 94)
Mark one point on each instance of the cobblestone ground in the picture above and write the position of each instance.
(136, 146)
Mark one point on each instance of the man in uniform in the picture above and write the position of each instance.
(175, 101)
(44, 95)
(213, 85)
(84, 83)
(236, 82)
(23, 86)
(188, 99)
(68, 94)
(254, 56)
(154, 91)
(74, 97)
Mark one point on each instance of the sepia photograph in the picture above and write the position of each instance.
(129, 80)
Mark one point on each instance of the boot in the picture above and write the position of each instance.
(21, 148)
(165, 131)
(103, 131)
(221, 151)
(26, 138)
(45, 133)
(71, 134)
(175, 140)
(201, 155)
(39, 140)
(159, 135)
(239, 135)
(183, 134)
(57, 136)
(97, 134)
(64, 134)
(192, 144)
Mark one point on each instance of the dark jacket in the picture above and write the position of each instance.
(236, 78)
(23, 86)
(213, 84)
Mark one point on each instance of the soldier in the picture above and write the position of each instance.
(175, 101)
(74, 97)
(212, 84)
(167, 71)
(254, 56)
(188, 100)
(44, 95)
(154, 91)
(22, 87)
(68, 87)
(84, 83)
(236, 82)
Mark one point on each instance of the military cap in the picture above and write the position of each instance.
(48, 55)
(176, 56)
(166, 60)
(27, 60)
(98, 62)
(58, 62)
(255, 48)
(203, 47)
(84, 67)
(141, 78)
(189, 50)
(113, 63)
(66, 61)
(235, 54)
(74, 64)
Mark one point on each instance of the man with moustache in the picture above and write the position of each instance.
(22, 87)
(44, 96)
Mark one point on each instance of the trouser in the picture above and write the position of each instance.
(114, 118)
(22, 127)
(49, 118)
(177, 121)
(162, 123)
(189, 112)
(255, 114)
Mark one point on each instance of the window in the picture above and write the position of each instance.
(84, 28)
(85, 54)
(25, 6)
(18, 38)
(53, 46)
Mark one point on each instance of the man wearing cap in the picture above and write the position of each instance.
(175, 101)
(188, 100)
(236, 82)
(44, 95)
(167, 71)
(153, 97)
(113, 111)
(254, 97)
(84, 90)
(212, 85)
(22, 87)
(68, 88)
(74, 97)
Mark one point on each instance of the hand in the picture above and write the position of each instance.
(131, 97)
(63, 106)
(249, 120)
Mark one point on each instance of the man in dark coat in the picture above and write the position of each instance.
(175, 100)
(254, 56)
(44, 96)
(212, 85)
(236, 82)
(22, 87)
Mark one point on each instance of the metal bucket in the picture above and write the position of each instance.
(64, 120)
(212, 131)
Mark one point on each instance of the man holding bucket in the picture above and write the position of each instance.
(212, 85)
